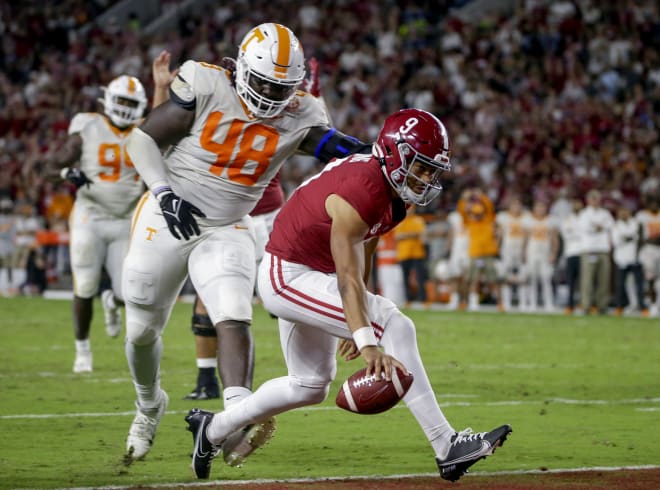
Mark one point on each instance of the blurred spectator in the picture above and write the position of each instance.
(626, 240)
(7, 238)
(411, 253)
(541, 247)
(459, 261)
(511, 236)
(438, 230)
(389, 274)
(27, 251)
(571, 245)
(595, 269)
(478, 214)
(649, 255)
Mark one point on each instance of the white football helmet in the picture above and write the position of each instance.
(124, 100)
(269, 67)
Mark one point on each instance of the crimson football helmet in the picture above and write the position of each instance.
(269, 67)
(124, 100)
(413, 149)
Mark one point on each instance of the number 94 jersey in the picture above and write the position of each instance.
(116, 185)
(226, 161)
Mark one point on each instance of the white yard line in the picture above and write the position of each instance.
(559, 401)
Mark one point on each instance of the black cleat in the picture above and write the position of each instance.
(203, 450)
(467, 448)
(206, 392)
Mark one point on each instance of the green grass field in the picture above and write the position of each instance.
(578, 391)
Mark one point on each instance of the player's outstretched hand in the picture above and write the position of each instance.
(179, 215)
(76, 176)
(160, 69)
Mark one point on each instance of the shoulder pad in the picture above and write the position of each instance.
(81, 120)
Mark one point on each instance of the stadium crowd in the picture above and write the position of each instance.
(544, 105)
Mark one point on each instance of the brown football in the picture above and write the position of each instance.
(363, 394)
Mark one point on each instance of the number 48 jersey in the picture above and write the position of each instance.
(116, 185)
(226, 161)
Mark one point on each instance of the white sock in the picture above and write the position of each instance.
(206, 362)
(234, 394)
(399, 341)
(473, 301)
(83, 346)
(144, 363)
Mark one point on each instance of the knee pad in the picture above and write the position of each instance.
(202, 326)
(141, 333)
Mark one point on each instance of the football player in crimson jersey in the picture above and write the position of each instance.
(228, 137)
(109, 187)
(313, 278)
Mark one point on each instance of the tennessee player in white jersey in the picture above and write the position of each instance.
(458, 261)
(649, 253)
(108, 190)
(512, 238)
(227, 139)
(541, 247)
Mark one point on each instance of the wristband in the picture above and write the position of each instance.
(364, 337)
(64, 172)
(159, 192)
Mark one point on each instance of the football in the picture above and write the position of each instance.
(363, 394)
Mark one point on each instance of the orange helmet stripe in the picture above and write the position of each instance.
(283, 51)
(131, 85)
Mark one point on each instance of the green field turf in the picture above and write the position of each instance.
(578, 391)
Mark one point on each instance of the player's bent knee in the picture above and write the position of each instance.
(140, 333)
(86, 287)
(309, 392)
(401, 327)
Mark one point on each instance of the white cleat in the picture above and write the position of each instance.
(143, 430)
(83, 362)
(111, 313)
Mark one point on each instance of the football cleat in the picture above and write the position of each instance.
(143, 430)
(467, 448)
(207, 392)
(242, 443)
(111, 313)
(203, 450)
(83, 362)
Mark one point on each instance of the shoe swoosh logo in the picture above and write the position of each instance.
(198, 452)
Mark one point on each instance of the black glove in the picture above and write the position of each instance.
(179, 214)
(76, 176)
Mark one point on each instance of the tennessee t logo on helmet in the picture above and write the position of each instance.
(269, 68)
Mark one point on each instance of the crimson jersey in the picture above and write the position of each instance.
(272, 198)
(301, 232)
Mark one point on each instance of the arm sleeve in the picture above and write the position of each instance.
(148, 160)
